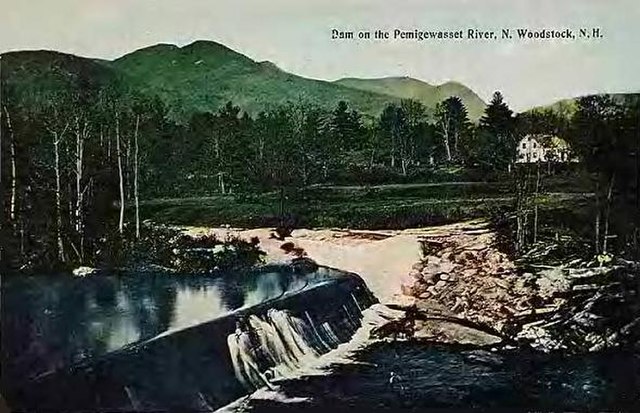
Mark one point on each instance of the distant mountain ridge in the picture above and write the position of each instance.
(568, 107)
(410, 88)
(205, 75)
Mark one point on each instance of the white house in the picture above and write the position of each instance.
(543, 148)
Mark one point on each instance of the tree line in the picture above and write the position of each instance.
(75, 162)
(604, 134)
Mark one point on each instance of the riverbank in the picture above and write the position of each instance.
(457, 285)
(392, 263)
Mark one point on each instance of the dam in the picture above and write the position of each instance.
(166, 341)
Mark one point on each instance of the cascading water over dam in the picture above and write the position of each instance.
(278, 344)
(262, 327)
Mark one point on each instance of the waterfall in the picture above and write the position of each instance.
(290, 327)
(355, 300)
(278, 343)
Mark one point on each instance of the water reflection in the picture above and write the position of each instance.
(50, 322)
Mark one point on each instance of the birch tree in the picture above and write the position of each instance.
(12, 154)
(136, 193)
(120, 173)
(58, 136)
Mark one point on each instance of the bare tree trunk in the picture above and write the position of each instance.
(81, 136)
(127, 168)
(78, 171)
(456, 138)
(608, 214)
(393, 149)
(14, 182)
(597, 224)
(372, 157)
(447, 148)
(535, 207)
(519, 189)
(221, 182)
(445, 136)
(56, 149)
(135, 177)
(120, 175)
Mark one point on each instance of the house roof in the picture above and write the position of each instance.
(548, 141)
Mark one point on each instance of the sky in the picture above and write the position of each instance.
(296, 36)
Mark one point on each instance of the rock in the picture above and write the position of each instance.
(418, 266)
(538, 337)
(441, 284)
(425, 295)
(552, 281)
(432, 290)
(84, 271)
(430, 278)
(446, 266)
(304, 265)
(432, 259)
(415, 274)
(449, 256)
(444, 277)
(470, 256)
(460, 303)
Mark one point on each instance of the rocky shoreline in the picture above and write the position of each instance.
(456, 285)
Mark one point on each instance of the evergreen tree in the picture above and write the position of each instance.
(497, 129)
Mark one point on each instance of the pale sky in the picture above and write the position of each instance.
(296, 35)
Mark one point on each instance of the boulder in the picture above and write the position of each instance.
(84, 271)
(430, 278)
(446, 266)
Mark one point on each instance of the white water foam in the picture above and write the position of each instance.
(296, 348)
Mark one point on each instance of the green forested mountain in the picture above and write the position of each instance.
(203, 76)
(409, 88)
(34, 78)
(83, 140)
(566, 108)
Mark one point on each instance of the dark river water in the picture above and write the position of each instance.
(158, 342)
(412, 376)
(50, 322)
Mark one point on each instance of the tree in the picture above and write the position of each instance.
(346, 127)
(452, 123)
(392, 126)
(497, 129)
(598, 134)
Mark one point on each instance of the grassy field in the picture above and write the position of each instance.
(373, 207)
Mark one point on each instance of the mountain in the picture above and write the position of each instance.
(409, 88)
(568, 107)
(37, 76)
(205, 75)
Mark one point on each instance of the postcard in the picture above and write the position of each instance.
(292, 205)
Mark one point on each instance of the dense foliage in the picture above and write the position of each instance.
(80, 148)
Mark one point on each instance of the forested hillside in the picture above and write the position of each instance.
(428, 95)
(84, 142)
